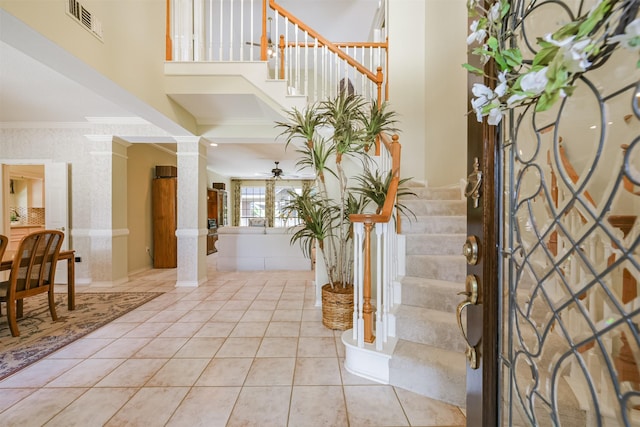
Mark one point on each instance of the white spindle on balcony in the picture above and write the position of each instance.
(227, 30)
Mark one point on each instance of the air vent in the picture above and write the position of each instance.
(82, 16)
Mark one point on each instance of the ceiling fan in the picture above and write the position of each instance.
(271, 51)
(276, 172)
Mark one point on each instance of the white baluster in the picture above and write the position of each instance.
(220, 25)
(380, 228)
(358, 321)
(198, 30)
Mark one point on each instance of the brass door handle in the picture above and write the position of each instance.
(472, 299)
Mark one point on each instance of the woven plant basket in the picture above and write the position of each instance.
(337, 307)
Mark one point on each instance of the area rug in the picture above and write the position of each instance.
(40, 336)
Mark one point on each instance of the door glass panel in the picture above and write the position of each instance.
(570, 345)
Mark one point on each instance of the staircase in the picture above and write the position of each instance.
(429, 356)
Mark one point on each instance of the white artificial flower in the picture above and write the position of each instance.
(515, 98)
(631, 37)
(494, 12)
(476, 34)
(501, 89)
(535, 82)
(495, 116)
(483, 96)
(483, 93)
(574, 57)
(560, 43)
(484, 58)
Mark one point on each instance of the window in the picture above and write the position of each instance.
(282, 198)
(258, 202)
(252, 204)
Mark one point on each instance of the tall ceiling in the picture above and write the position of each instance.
(31, 91)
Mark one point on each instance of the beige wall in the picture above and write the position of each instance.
(141, 163)
(445, 91)
(426, 49)
(133, 39)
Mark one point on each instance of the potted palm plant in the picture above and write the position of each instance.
(332, 139)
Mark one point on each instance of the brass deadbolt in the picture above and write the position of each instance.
(470, 250)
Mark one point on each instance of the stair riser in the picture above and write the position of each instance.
(434, 244)
(446, 383)
(452, 269)
(436, 207)
(435, 193)
(442, 334)
(434, 225)
(432, 297)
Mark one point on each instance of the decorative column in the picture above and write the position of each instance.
(107, 236)
(192, 211)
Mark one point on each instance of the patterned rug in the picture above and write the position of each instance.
(40, 336)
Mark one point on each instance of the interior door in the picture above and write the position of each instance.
(57, 198)
(56, 181)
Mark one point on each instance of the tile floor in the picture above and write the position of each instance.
(243, 349)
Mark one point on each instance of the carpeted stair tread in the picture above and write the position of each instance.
(442, 267)
(432, 327)
(436, 224)
(422, 207)
(435, 244)
(433, 372)
(431, 293)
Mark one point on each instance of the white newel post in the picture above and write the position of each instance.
(192, 211)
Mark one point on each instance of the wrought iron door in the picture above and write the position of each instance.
(570, 270)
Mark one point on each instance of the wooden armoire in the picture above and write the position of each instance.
(165, 222)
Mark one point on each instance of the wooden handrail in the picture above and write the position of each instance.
(627, 184)
(264, 40)
(341, 44)
(387, 209)
(332, 46)
(573, 175)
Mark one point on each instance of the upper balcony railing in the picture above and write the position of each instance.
(254, 30)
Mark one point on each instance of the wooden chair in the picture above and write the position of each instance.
(32, 273)
(4, 242)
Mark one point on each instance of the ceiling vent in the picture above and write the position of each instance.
(82, 16)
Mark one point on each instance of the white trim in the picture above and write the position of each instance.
(190, 283)
(45, 125)
(91, 232)
(99, 138)
(191, 232)
(365, 361)
(132, 120)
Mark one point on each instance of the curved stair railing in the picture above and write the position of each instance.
(385, 260)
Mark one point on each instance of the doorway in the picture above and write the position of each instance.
(558, 341)
(26, 201)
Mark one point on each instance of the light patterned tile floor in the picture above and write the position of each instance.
(243, 349)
